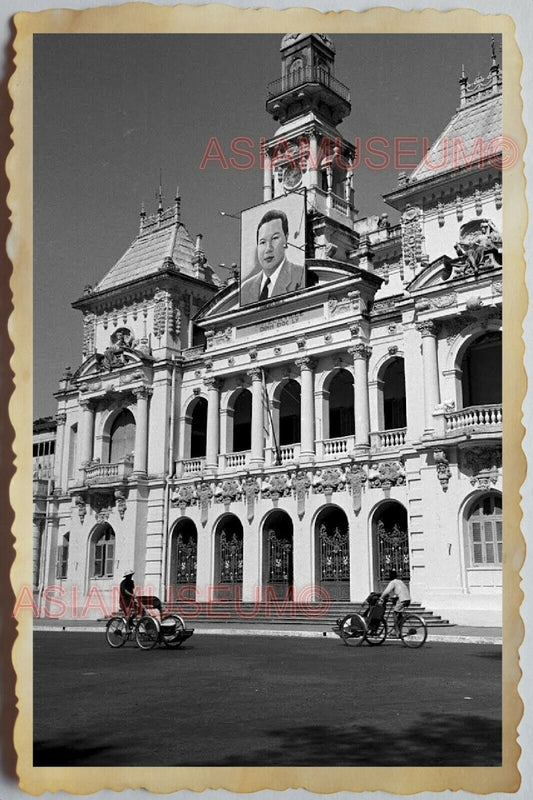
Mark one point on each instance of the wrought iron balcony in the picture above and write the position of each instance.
(305, 76)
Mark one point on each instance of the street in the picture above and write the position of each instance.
(264, 701)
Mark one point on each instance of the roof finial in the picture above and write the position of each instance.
(142, 217)
(493, 50)
(463, 82)
(177, 204)
(494, 67)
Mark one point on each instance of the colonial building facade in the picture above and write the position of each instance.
(304, 445)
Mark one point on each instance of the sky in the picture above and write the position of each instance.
(114, 112)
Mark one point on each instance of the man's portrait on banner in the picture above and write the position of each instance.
(273, 249)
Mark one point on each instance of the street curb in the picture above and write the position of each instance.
(496, 640)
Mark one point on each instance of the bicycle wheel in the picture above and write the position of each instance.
(171, 630)
(353, 630)
(377, 634)
(413, 630)
(147, 633)
(116, 631)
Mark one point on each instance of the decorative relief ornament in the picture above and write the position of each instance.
(102, 506)
(301, 483)
(276, 486)
(384, 306)
(355, 478)
(251, 491)
(120, 499)
(386, 474)
(184, 496)
(483, 463)
(327, 481)
(479, 247)
(413, 241)
(440, 214)
(204, 492)
(89, 332)
(497, 287)
(360, 351)
(228, 491)
(498, 195)
(79, 502)
(442, 301)
(427, 327)
(444, 472)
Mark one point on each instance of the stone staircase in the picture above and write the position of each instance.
(281, 613)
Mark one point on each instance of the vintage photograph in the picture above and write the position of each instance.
(268, 525)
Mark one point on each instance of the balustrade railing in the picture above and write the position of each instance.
(480, 417)
(390, 439)
(331, 448)
(285, 453)
(102, 473)
(235, 460)
(189, 466)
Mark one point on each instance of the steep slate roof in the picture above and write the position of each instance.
(148, 252)
(481, 121)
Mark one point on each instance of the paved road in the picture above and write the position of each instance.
(225, 701)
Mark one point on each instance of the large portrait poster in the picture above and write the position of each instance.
(273, 248)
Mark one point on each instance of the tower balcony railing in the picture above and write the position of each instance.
(308, 75)
(388, 440)
(477, 419)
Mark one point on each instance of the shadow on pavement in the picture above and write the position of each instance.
(434, 740)
(75, 753)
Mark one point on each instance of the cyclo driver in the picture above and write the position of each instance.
(400, 590)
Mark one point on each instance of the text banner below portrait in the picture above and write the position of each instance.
(273, 249)
(282, 322)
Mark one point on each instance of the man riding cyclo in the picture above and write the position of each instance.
(129, 604)
(398, 589)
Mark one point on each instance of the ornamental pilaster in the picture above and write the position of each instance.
(361, 353)
(213, 422)
(306, 366)
(140, 459)
(428, 330)
(257, 455)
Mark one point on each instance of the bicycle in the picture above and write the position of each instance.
(147, 630)
(379, 618)
(372, 626)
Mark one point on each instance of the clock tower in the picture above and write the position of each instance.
(307, 151)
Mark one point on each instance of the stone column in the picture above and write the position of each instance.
(361, 353)
(213, 422)
(267, 176)
(429, 330)
(307, 408)
(61, 419)
(140, 458)
(313, 159)
(257, 456)
(86, 433)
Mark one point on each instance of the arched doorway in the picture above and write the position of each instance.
(229, 556)
(391, 544)
(481, 367)
(183, 555)
(333, 552)
(394, 411)
(122, 437)
(278, 555)
(341, 405)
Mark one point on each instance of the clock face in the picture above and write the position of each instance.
(292, 177)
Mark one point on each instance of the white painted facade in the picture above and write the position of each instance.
(385, 296)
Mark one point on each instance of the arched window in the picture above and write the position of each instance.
(199, 428)
(289, 413)
(296, 72)
(341, 405)
(482, 371)
(394, 415)
(485, 532)
(122, 437)
(103, 551)
(62, 558)
(242, 422)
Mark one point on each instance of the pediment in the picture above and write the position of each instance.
(435, 274)
(100, 364)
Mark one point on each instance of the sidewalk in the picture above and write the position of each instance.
(457, 634)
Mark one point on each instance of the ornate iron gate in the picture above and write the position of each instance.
(334, 555)
(393, 552)
(230, 558)
(186, 549)
(279, 559)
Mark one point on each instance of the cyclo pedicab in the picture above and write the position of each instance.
(145, 628)
(376, 623)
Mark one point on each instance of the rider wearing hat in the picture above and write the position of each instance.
(128, 602)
